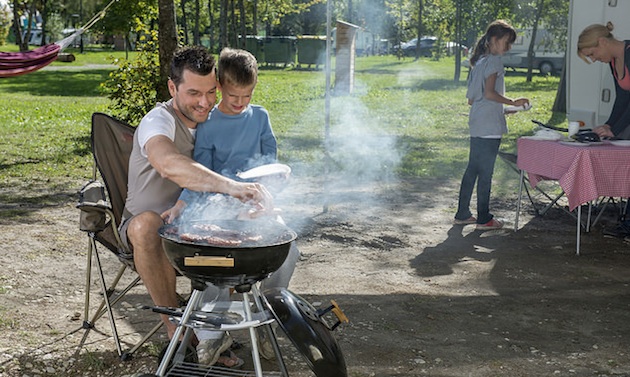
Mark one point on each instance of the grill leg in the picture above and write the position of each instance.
(252, 335)
(270, 334)
(170, 350)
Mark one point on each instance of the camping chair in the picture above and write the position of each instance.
(540, 209)
(101, 211)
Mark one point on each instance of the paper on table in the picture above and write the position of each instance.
(510, 109)
(545, 134)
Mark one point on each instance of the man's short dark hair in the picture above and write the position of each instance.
(196, 59)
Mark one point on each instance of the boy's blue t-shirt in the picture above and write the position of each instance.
(228, 144)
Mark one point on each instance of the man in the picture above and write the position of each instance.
(161, 165)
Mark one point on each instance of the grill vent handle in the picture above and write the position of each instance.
(208, 261)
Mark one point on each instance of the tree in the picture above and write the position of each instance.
(458, 40)
(196, 31)
(243, 24)
(420, 30)
(182, 4)
(167, 40)
(532, 43)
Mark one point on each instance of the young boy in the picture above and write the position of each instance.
(236, 137)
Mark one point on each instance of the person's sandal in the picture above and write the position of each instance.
(236, 362)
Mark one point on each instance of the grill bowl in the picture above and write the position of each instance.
(247, 263)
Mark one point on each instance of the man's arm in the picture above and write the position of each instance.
(187, 173)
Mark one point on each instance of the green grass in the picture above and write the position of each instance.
(404, 117)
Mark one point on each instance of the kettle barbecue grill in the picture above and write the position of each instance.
(238, 254)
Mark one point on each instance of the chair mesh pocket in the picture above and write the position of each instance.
(92, 203)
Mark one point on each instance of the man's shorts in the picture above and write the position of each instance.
(127, 252)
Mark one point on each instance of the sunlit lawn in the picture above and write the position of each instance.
(404, 117)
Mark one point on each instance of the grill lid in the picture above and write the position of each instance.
(308, 332)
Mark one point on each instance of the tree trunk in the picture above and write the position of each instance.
(18, 28)
(196, 35)
(532, 43)
(349, 12)
(167, 40)
(44, 21)
(458, 40)
(241, 9)
(560, 103)
(223, 22)
(233, 33)
(255, 18)
(212, 28)
(419, 29)
(184, 20)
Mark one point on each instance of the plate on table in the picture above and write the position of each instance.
(578, 144)
(620, 143)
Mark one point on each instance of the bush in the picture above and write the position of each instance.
(132, 88)
(5, 22)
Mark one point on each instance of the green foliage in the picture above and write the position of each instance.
(132, 88)
(5, 22)
(122, 16)
(54, 26)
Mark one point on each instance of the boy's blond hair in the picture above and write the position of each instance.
(237, 67)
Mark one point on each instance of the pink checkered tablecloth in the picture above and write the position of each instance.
(585, 173)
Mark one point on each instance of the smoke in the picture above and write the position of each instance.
(357, 158)
(358, 150)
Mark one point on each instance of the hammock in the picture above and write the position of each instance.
(20, 63)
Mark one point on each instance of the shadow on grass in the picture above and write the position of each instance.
(81, 148)
(83, 83)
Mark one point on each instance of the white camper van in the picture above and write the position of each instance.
(590, 87)
(546, 58)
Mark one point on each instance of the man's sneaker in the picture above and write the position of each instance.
(492, 224)
(189, 357)
(265, 348)
(209, 350)
(470, 220)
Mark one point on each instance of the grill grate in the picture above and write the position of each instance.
(196, 370)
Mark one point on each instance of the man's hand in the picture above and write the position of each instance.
(252, 193)
(174, 212)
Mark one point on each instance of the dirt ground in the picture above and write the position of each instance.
(424, 298)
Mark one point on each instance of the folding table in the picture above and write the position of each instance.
(584, 171)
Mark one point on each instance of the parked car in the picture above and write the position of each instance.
(451, 48)
(427, 46)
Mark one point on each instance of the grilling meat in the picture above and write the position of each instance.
(215, 235)
(213, 240)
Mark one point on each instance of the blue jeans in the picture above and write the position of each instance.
(483, 154)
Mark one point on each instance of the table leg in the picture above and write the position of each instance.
(520, 197)
(579, 229)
